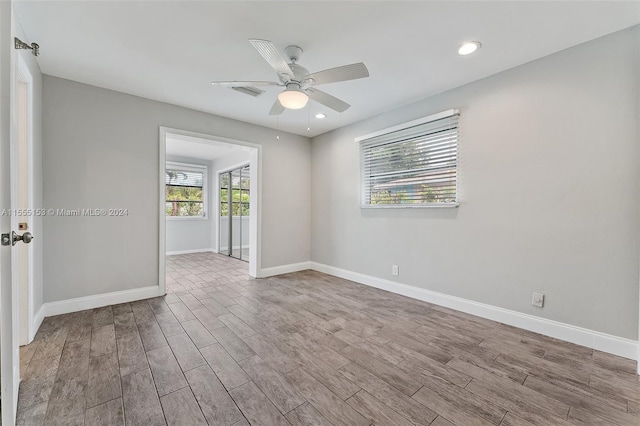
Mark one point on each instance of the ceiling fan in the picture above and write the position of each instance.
(298, 82)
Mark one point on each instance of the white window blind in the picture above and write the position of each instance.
(411, 165)
(185, 188)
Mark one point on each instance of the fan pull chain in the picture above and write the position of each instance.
(308, 117)
(277, 127)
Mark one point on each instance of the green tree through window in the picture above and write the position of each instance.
(184, 192)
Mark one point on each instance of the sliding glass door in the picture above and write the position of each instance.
(234, 213)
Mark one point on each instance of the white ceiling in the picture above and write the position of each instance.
(187, 146)
(171, 50)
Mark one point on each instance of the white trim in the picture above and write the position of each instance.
(411, 206)
(402, 126)
(37, 322)
(23, 74)
(246, 246)
(228, 169)
(255, 216)
(99, 300)
(285, 269)
(188, 167)
(204, 250)
(162, 223)
(593, 339)
(215, 209)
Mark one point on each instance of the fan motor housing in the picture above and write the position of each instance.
(299, 72)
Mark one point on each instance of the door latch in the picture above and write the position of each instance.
(13, 238)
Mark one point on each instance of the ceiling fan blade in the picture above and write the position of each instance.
(245, 83)
(277, 108)
(327, 100)
(343, 73)
(272, 56)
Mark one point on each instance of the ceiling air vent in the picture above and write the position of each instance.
(249, 90)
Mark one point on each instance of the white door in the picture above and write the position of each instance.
(8, 376)
(9, 198)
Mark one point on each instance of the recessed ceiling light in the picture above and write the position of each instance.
(469, 47)
(321, 115)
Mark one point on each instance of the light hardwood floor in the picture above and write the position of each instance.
(308, 349)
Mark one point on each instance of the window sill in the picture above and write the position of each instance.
(186, 218)
(411, 206)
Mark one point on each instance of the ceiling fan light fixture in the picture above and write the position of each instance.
(469, 47)
(293, 97)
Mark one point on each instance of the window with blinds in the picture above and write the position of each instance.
(185, 188)
(411, 165)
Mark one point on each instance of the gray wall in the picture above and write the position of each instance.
(101, 151)
(191, 234)
(548, 193)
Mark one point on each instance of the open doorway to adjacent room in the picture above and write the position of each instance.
(208, 210)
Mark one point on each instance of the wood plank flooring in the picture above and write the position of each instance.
(307, 349)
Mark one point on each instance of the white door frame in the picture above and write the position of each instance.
(26, 330)
(255, 198)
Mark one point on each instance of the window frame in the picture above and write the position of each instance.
(191, 167)
(399, 127)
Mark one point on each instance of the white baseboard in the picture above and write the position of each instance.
(234, 248)
(205, 250)
(284, 269)
(99, 300)
(593, 339)
(37, 322)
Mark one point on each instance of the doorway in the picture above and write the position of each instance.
(219, 155)
(235, 211)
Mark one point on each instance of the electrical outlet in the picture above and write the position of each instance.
(537, 300)
(395, 270)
